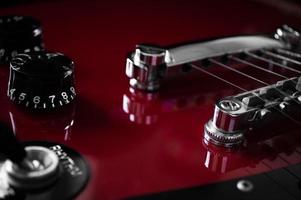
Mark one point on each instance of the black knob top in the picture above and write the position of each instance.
(19, 34)
(41, 80)
(43, 64)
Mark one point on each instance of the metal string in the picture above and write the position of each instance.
(289, 53)
(255, 66)
(237, 71)
(235, 58)
(272, 62)
(269, 71)
(258, 67)
(217, 77)
(251, 77)
(280, 57)
(201, 68)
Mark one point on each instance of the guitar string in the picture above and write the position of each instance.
(217, 77)
(289, 53)
(202, 69)
(271, 62)
(255, 66)
(281, 57)
(251, 77)
(261, 68)
(258, 67)
(266, 52)
(212, 60)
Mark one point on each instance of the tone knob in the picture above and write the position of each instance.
(19, 34)
(41, 80)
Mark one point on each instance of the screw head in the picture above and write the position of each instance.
(229, 105)
(264, 114)
(245, 185)
(284, 106)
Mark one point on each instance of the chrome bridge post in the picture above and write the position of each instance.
(146, 66)
(227, 125)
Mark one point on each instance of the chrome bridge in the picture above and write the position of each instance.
(237, 115)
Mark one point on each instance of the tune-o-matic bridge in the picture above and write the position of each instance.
(236, 115)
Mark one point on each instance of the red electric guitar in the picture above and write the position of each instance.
(150, 100)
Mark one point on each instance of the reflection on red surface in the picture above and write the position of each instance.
(167, 152)
(273, 152)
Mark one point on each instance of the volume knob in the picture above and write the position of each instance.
(19, 34)
(41, 80)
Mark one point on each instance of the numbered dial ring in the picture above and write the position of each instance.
(41, 80)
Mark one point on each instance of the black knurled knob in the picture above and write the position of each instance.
(19, 34)
(41, 80)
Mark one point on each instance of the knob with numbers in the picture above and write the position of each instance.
(19, 34)
(41, 80)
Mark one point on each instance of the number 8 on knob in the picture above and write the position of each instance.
(41, 80)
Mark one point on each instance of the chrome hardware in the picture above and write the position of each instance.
(141, 107)
(149, 55)
(245, 185)
(235, 116)
(265, 114)
(284, 106)
(229, 105)
(147, 65)
(221, 130)
(39, 169)
(289, 36)
(198, 51)
(220, 137)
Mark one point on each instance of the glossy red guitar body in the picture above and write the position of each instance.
(137, 143)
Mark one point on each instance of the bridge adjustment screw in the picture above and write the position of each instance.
(229, 105)
(284, 106)
(264, 114)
